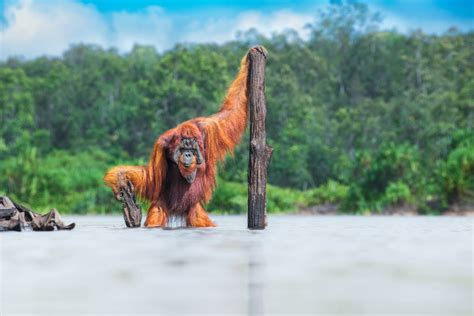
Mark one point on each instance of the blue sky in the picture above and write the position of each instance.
(47, 27)
(459, 8)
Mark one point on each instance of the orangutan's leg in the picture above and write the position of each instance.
(197, 217)
(156, 217)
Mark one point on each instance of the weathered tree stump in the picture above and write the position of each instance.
(132, 213)
(260, 152)
(16, 217)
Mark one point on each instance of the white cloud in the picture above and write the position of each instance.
(276, 22)
(224, 29)
(34, 28)
(421, 16)
(437, 26)
(48, 27)
(149, 27)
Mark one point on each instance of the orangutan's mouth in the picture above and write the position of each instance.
(190, 177)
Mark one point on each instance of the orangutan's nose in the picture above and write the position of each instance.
(187, 158)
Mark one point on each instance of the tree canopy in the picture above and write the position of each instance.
(386, 118)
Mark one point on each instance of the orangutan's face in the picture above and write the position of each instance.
(188, 156)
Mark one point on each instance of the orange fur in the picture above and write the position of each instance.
(217, 134)
(156, 217)
(198, 217)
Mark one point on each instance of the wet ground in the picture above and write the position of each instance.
(299, 264)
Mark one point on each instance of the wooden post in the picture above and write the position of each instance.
(260, 153)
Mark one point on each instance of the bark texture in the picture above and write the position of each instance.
(260, 152)
(132, 213)
(16, 217)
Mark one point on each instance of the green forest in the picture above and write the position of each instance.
(360, 118)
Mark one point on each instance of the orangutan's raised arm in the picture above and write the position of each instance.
(223, 129)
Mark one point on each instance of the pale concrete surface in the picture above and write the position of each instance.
(299, 265)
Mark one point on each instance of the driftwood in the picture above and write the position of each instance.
(16, 217)
(132, 213)
(260, 152)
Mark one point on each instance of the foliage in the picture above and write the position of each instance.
(69, 182)
(356, 115)
(397, 193)
(456, 173)
(387, 176)
(330, 193)
(231, 198)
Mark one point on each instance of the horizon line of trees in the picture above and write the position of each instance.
(359, 117)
